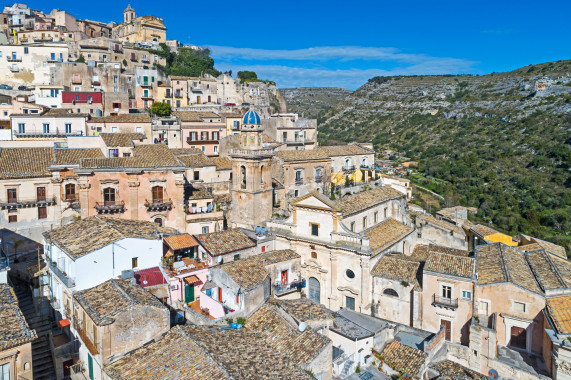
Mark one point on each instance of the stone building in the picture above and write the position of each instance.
(296, 133)
(129, 123)
(102, 320)
(201, 130)
(440, 232)
(140, 29)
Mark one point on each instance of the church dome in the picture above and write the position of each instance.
(251, 117)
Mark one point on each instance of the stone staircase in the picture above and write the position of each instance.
(347, 367)
(42, 361)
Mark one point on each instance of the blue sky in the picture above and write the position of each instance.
(317, 43)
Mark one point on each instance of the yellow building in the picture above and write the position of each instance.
(140, 29)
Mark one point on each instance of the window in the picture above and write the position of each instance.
(350, 303)
(350, 274)
(27, 50)
(364, 222)
(314, 255)
(134, 262)
(42, 212)
(375, 217)
(5, 371)
(466, 294)
(237, 257)
(352, 227)
(12, 197)
(113, 153)
(390, 292)
(157, 193)
(216, 149)
(196, 175)
(67, 128)
(318, 174)
(109, 196)
(296, 193)
(159, 222)
(12, 218)
(298, 178)
(21, 128)
(115, 89)
(214, 135)
(139, 129)
(518, 338)
(385, 211)
(205, 229)
(519, 307)
(314, 229)
(46, 128)
(204, 135)
(70, 191)
(40, 194)
(446, 291)
(115, 79)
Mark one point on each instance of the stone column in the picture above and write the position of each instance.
(84, 205)
(365, 285)
(333, 299)
(134, 197)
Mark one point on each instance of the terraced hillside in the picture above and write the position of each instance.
(310, 101)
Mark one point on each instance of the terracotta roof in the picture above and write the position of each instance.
(429, 219)
(398, 267)
(185, 151)
(448, 251)
(220, 243)
(127, 118)
(107, 300)
(386, 234)
(483, 231)
(176, 242)
(120, 139)
(144, 156)
(179, 77)
(345, 150)
(195, 160)
(450, 264)
(304, 309)
(246, 273)
(282, 337)
(420, 252)
(545, 270)
(61, 112)
(194, 193)
(73, 156)
(497, 263)
(303, 155)
(79, 238)
(193, 116)
(449, 370)
(233, 115)
(25, 162)
(550, 247)
(222, 163)
(14, 330)
(150, 277)
(173, 357)
(559, 309)
(563, 267)
(404, 358)
(361, 201)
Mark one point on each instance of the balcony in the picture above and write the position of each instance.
(13, 204)
(366, 167)
(299, 181)
(78, 372)
(349, 169)
(196, 89)
(146, 84)
(204, 216)
(145, 60)
(110, 207)
(319, 179)
(42, 134)
(43, 39)
(446, 303)
(76, 81)
(92, 347)
(189, 140)
(147, 96)
(158, 205)
(298, 141)
(14, 59)
(281, 290)
(14, 69)
(61, 275)
(178, 95)
(72, 203)
(252, 152)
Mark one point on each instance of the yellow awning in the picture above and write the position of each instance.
(338, 178)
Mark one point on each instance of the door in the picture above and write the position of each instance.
(518, 337)
(483, 308)
(314, 290)
(188, 293)
(448, 326)
(41, 193)
(12, 198)
(67, 367)
(198, 99)
(284, 277)
(90, 366)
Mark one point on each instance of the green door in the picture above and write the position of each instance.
(189, 293)
(90, 366)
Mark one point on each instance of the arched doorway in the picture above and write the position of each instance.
(314, 289)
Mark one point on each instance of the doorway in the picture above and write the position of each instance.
(188, 293)
(448, 328)
(314, 289)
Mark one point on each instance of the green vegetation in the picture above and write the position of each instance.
(187, 62)
(508, 153)
(80, 59)
(250, 76)
(160, 109)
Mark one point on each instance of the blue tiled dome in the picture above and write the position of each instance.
(251, 117)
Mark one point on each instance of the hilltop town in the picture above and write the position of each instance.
(165, 226)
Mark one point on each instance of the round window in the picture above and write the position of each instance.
(349, 273)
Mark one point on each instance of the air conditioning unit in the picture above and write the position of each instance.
(174, 287)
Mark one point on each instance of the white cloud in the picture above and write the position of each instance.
(319, 66)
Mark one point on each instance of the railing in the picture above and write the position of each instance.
(41, 133)
(191, 141)
(42, 39)
(67, 281)
(26, 203)
(147, 84)
(299, 181)
(76, 81)
(294, 141)
(253, 152)
(148, 96)
(14, 59)
(281, 289)
(158, 205)
(92, 347)
(110, 207)
(319, 179)
(196, 89)
(366, 167)
(448, 303)
(14, 69)
(77, 372)
(178, 95)
(349, 168)
(145, 60)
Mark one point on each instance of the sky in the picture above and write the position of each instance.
(343, 44)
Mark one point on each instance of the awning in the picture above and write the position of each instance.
(191, 280)
(64, 322)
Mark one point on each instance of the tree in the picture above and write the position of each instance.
(187, 62)
(247, 76)
(81, 59)
(161, 109)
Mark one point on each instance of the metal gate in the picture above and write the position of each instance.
(314, 290)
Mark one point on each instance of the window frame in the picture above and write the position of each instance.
(314, 228)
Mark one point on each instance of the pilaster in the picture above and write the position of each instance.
(134, 196)
(365, 281)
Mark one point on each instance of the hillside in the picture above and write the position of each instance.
(500, 142)
(310, 101)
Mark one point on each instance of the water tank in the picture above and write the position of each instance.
(127, 274)
(302, 326)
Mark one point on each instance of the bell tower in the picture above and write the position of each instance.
(128, 14)
(252, 176)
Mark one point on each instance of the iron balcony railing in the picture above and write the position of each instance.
(63, 277)
(116, 207)
(318, 179)
(448, 303)
(158, 205)
(26, 203)
(349, 168)
(299, 181)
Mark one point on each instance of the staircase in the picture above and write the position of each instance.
(347, 367)
(42, 362)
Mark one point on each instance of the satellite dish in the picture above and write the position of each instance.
(302, 327)
(493, 374)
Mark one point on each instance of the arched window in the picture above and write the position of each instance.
(243, 173)
(347, 163)
(390, 292)
(159, 221)
(109, 196)
(318, 174)
(157, 193)
(262, 174)
(364, 163)
(70, 192)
